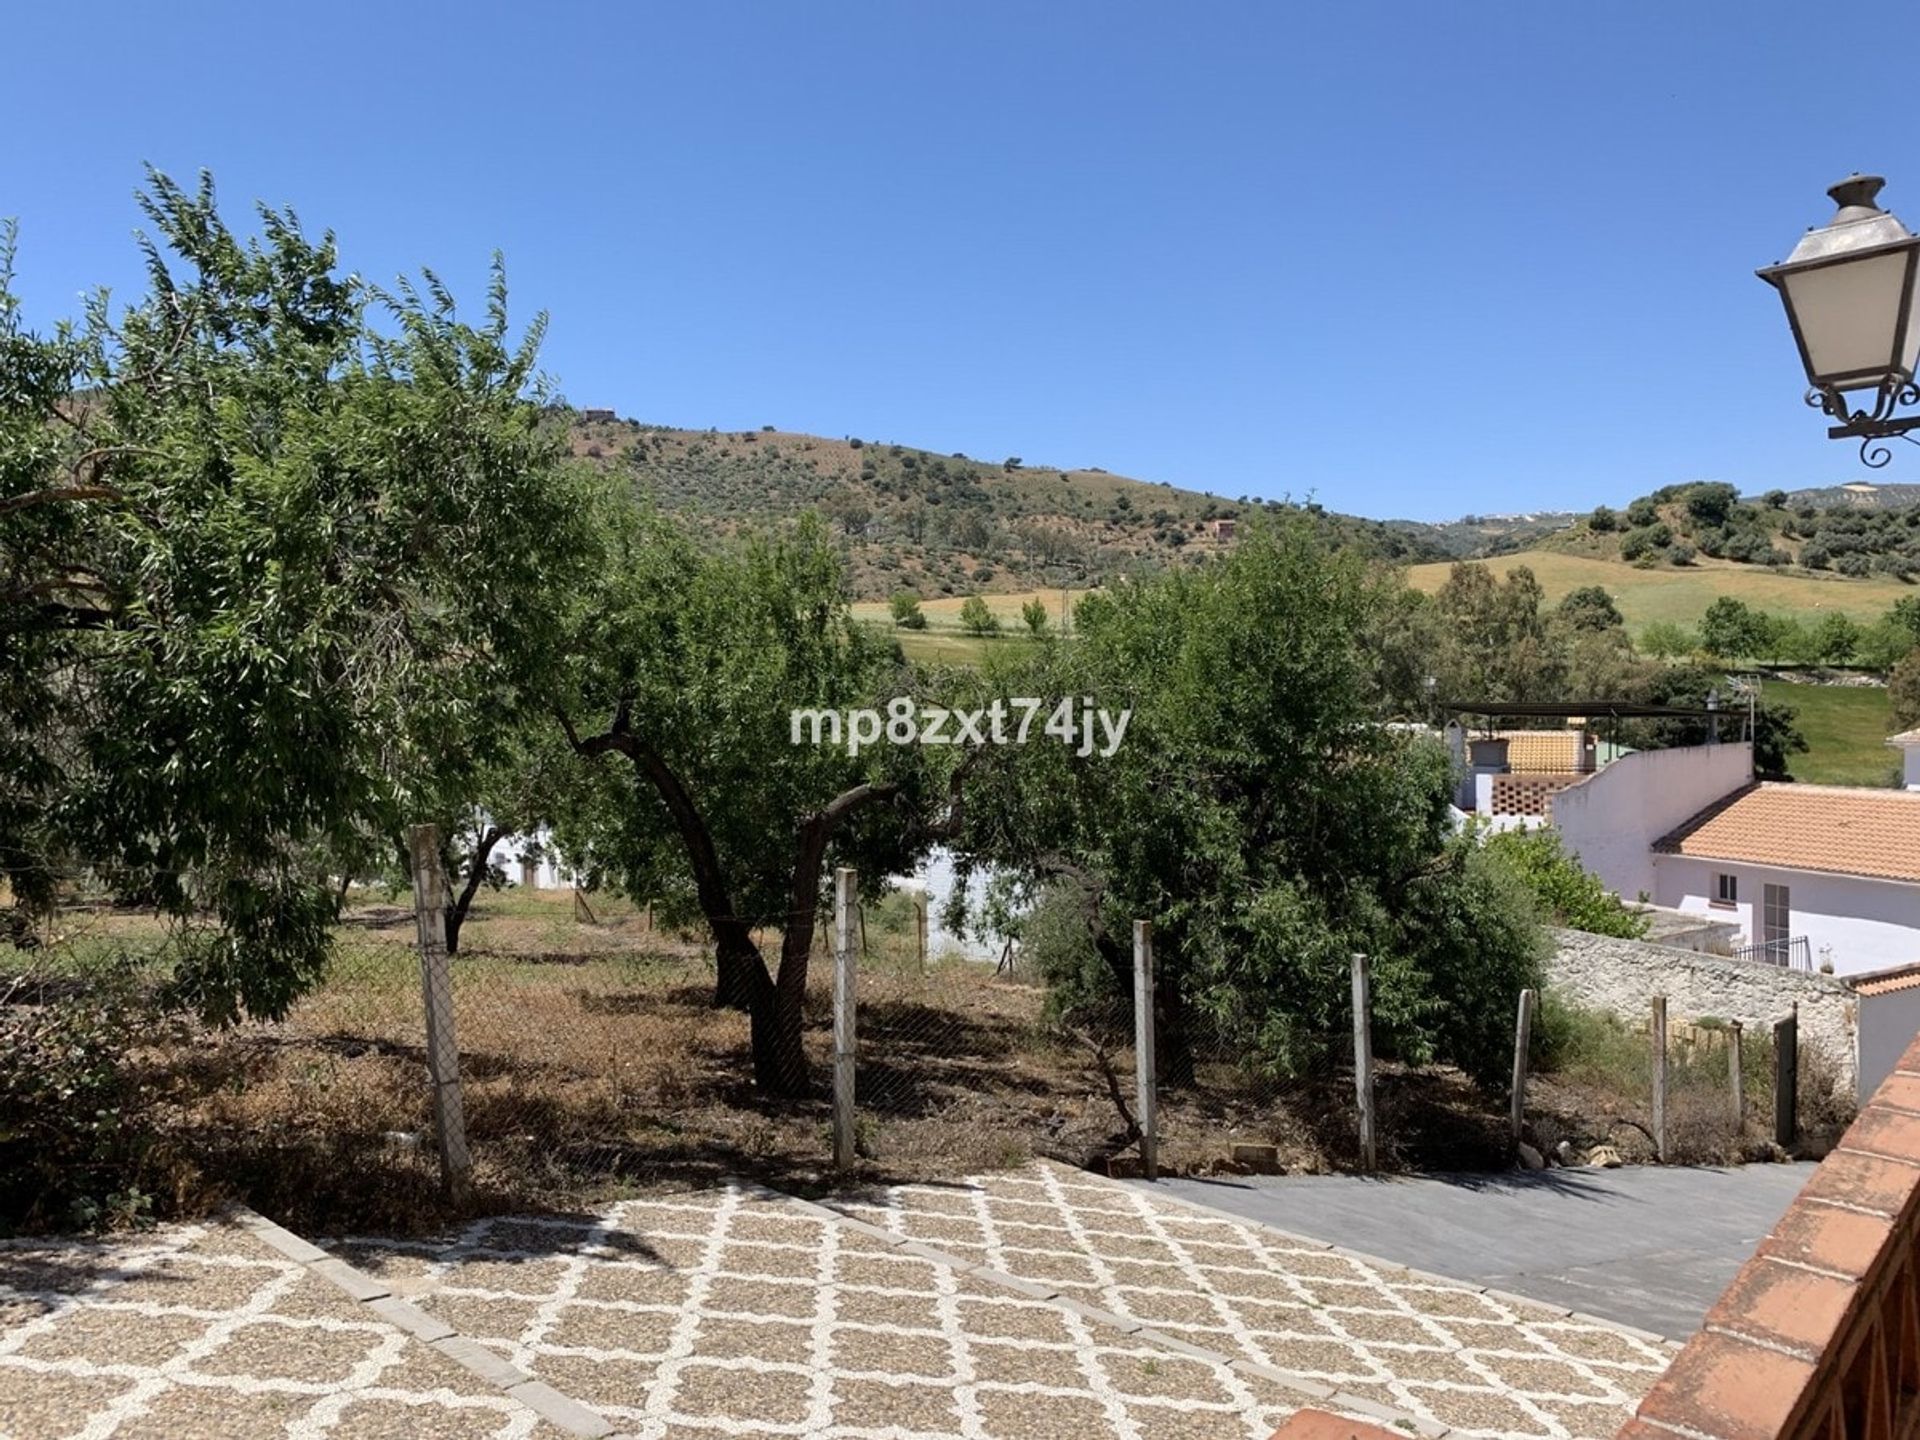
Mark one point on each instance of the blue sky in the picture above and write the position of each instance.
(1414, 258)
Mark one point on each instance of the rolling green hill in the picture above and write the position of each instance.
(947, 525)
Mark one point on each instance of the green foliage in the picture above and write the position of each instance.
(271, 575)
(1665, 640)
(73, 1108)
(1255, 818)
(1730, 630)
(1836, 638)
(1566, 892)
(976, 618)
(1903, 689)
(1590, 608)
(1034, 613)
(907, 614)
(1603, 520)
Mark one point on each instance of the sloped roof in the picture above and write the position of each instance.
(1886, 982)
(1905, 737)
(1833, 828)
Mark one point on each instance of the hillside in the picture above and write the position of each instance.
(947, 524)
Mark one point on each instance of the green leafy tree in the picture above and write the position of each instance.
(272, 572)
(1906, 614)
(1257, 818)
(1666, 640)
(1589, 608)
(907, 613)
(1883, 645)
(1603, 520)
(977, 619)
(1731, 630)
(1034, 612)
(701, 674)
(1836, 638)
(1903, 689)
(1567, 893)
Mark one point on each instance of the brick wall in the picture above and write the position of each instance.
(1818, 1337)
(1520, 794)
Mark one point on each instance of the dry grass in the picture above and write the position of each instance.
(594, 1063)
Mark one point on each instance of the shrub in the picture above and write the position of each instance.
(73, 1110)
(977, 619)
(1643, 512)
(1680, 553)
(1815, 556)
(1603, 519)
(907, 613)
(1567, 894)
(1854, 565)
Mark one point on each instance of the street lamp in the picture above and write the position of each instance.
(1851, 298)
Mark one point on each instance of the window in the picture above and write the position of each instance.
(1776, 918)
(1726, 890)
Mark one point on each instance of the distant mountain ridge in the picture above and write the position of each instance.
(913, 519)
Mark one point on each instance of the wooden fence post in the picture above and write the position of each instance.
(1786, 1079)
(436, 988)
(920, 926)
(845, 899)
(1657, 1036)
(1146, 1082)
(1522, 1043)
(1363, 1058)
(1736, 1073)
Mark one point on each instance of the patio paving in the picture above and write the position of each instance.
(205, 1331)
(1471, 1360)
(1041, 1304)
(737, 1311)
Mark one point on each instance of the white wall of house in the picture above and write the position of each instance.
(1867, 924)
(516, 855)
(1910, 764)
(1612, 820)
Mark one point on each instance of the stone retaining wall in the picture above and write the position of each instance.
(1622, 976)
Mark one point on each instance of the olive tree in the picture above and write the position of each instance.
(724, 679)
(272, 544)
(1259, 816)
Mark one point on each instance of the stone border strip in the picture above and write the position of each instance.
(1451, 1282)
(1310, 1390)
(548, 1403)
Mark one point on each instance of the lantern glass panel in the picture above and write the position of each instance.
(1849, 316)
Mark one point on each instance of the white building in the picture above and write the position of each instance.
(1807, 874)
(1812, 872)
(1908, 744)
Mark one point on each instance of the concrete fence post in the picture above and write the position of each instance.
(1146, 1080)
(1786, 1079)
(1657, 1037)
(1737, 1078)
(845, 1003)
(436, 985)
(1522, 1043)
(1363, 1059)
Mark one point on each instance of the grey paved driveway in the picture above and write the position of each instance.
(1642, 1245)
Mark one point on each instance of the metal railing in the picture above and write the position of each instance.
(1791, 953)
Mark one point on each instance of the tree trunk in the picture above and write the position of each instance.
(476, 873)
(742, 973)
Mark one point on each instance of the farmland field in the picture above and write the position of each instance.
(1682, 595)
(1846, 728)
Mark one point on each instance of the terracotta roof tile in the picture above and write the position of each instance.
(1832, 828)
(1886, 982)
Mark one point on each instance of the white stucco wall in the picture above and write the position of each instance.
(1888, 1024)
(1910, 766)
(1611, 821)
(1870, 924)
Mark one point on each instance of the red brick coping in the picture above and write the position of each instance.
(1319, 1425)
(1818, 1336)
